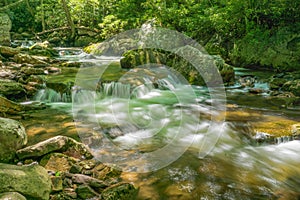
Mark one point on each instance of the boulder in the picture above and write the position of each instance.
(183, 60)
(12, 137)
(9, 107)
(32, 181)
(5, 26)
(43, 49)
(11, 196)
(8, 51)
(11, 89)
(55, 144)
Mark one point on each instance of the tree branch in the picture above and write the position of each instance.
(10, 5)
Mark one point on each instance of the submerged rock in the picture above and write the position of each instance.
(55, 144)
(12, 137)
(32, 181)
(120, 191)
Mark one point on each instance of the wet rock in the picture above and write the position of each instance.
(295, 128)
(5, 26)
(8, 51)
(120, 191)
(56, 144)
(85, 192)
(43, 49)
(11, 196)
(12, 137)
(57, 183)
(57, 162)
(256, 90)
(292, 86)
(87, 180)
(9, 107)
(247, 81)
(103, 172)
(184, 66)
(25, 58)
(32, 181)
(11, 89)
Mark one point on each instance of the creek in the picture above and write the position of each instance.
(169, 138)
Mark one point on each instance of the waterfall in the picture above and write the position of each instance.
(48, 95)
(116, 89)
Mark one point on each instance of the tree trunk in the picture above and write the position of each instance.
(43, 16)
(69, 19)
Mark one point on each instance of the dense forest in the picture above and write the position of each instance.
(246, 33)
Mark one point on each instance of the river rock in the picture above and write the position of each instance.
(8, 51)
(11, 89)
(43, 49)
(12, 137)
(5, 26)
(86, 192)
(10, 107)
(120, 191)
(32, 181)
(28, 59)
(182, 61)
(55, 144)
(11, 196)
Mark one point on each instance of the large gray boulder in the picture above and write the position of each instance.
(5, 26)
(12, 137)
(32, 181)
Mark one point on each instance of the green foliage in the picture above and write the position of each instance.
(111, 25)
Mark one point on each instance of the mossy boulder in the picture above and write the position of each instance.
(32, 181)
(189, 62)
(120, 191)
(11, 89)
(12, 137)
(8, 51)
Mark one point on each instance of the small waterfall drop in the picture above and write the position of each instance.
(49, 96)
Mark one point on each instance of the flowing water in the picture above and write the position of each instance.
(170, 138)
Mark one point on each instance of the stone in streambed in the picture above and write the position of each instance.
(86, 192)
(11, 89)
(120, 191)
(12, 137)
(55, 144)
(32, 181)
(10, 107)
(8, 51)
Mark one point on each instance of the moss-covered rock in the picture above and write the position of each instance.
(12, 137)
(183, 60)
(32, 181)
(11, 89)
(120, 191)
(8, 51)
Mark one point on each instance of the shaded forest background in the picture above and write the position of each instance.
(247, 33)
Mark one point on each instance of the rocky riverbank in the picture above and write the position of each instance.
(58, 168)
